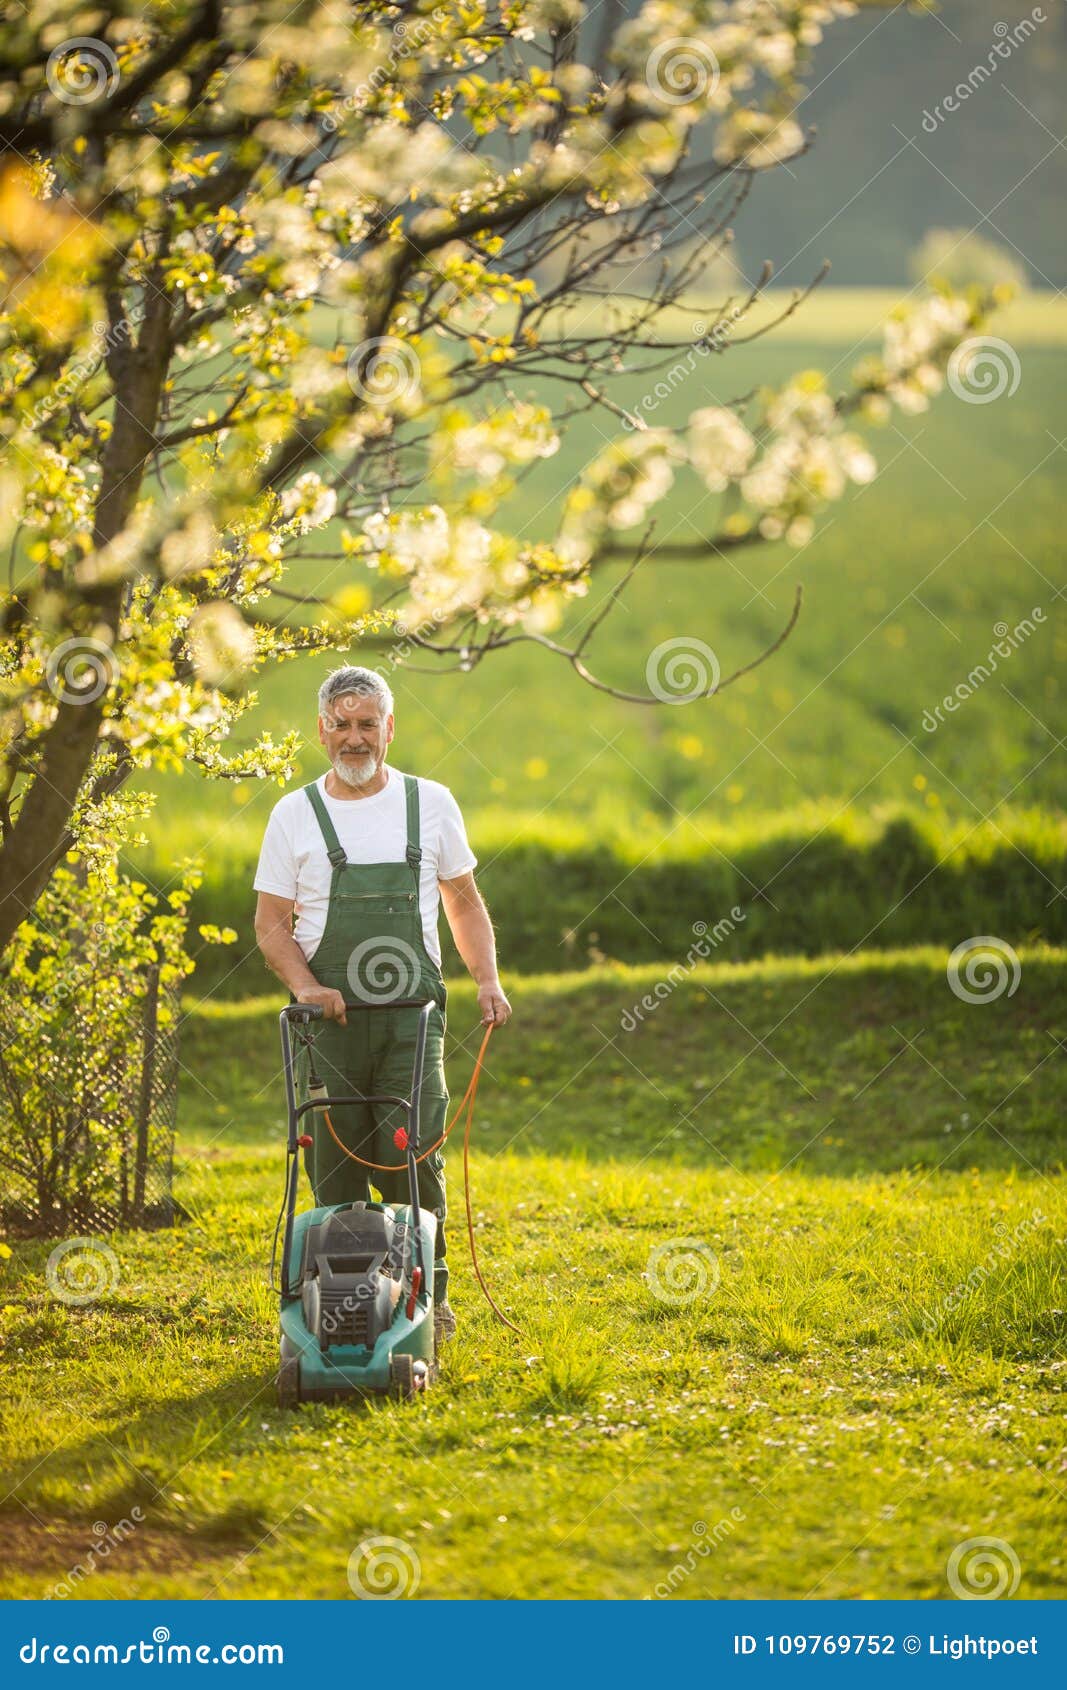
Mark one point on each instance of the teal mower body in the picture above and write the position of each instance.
(356, 1286)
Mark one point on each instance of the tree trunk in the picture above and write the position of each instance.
(65, 751)
(28, 855)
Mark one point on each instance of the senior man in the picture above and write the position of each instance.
(363, 857)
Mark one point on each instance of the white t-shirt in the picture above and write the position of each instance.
(293, 861)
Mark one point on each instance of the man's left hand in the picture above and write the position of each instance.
(493, 1004)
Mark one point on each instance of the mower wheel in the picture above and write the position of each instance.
(403, 1381)
(289, 1381)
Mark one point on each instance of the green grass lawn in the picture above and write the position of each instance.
(863, 1171)
(865, 1164)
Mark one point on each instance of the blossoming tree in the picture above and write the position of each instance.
(271, 275)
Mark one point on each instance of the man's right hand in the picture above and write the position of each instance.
(332, 1001)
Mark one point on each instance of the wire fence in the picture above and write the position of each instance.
(88, 1103)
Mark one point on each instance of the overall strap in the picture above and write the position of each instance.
(334, 848)
(414, 850)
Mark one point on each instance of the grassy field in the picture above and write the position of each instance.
(856, 1174)
(840, 1364)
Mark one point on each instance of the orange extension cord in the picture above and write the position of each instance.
(466, 1102)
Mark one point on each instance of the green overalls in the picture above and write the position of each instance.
(373, 950)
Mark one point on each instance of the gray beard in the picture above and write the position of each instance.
(355, 773)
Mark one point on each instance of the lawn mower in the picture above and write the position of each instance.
(356, 1278)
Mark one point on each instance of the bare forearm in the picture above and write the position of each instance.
(283, 957)
(472, 930)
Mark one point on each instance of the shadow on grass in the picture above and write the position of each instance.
(187, 1425)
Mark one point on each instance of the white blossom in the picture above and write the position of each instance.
(720, 446)
(767, 483)
(515, 434)
(758, 139)
(221, 642)
(308, 503)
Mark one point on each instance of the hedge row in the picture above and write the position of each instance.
(812, 881)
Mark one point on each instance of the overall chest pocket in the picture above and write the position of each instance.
(359, 906)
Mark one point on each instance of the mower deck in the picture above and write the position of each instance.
(357, 1278)
(357, 1320)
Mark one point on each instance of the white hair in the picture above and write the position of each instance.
(365, 682)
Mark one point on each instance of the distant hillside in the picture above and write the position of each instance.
(864, 197)
(889, 160)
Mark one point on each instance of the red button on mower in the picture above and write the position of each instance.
(305, 1141)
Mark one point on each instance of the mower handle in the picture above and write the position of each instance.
(303, 1012)
(315, 1011)
(296, 1013)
